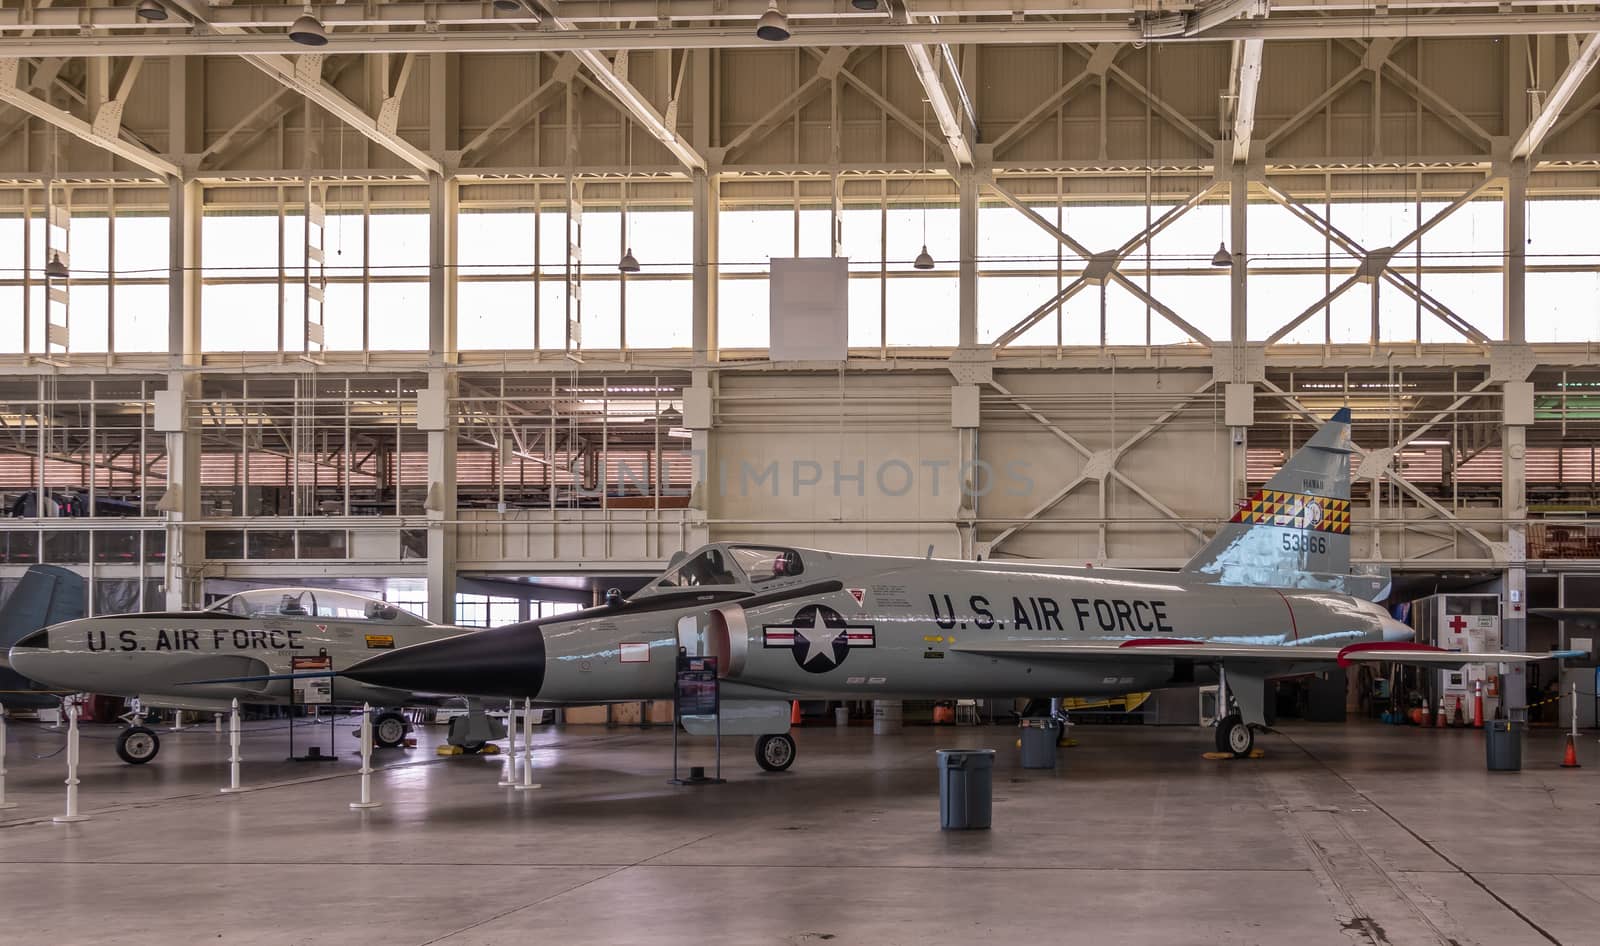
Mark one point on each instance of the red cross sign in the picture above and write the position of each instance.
(1458, 623)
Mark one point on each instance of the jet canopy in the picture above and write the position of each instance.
(729, 566)
(312, 603)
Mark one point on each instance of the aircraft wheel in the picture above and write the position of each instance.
(389, 730)
(473, 748)
(775, 753)
(137, 745)
(1235, 737)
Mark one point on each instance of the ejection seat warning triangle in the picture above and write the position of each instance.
(860, 594)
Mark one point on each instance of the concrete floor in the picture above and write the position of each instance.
(1342, 834)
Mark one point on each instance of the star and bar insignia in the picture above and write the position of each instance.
(1295, 511)
(819, 637)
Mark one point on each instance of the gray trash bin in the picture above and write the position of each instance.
(966, 788)
(1039, 737)
(1502, 744)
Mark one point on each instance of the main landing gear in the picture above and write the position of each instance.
(389, 730)
(137, 745)
(1234, 736)
(776, 752)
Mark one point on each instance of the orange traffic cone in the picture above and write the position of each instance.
(1477, 706)
(1570, 759)
(1458, 720)
(1438, 716)
(794, 713)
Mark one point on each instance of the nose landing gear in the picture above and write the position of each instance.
(775, 753)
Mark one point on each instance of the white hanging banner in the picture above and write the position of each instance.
(809, 309)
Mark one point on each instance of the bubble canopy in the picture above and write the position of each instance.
(313, 603)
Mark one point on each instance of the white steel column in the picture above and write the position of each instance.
(443, 194)
(704, 314)
(1516, 272)
(435, 416)
(967, 181)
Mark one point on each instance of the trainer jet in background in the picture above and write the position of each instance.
(1270, 596)
(243, 647)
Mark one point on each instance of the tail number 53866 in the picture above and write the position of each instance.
(1305, 542)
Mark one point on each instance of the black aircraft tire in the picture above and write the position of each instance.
(473, 748)
(388, 730)
(1234, 737)
(775, 753)
(137, 745)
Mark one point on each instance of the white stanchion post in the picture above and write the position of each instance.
(510, 777)
(4, 805)
(233, 750)
(366, 761)
(177, 721)
(216, 722)
(527, 748)
(72, 768)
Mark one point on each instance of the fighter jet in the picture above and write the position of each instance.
(242, 647)
(1270, 596)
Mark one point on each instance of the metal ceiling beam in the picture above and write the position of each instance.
(1244, 107)
(95, 134)
(1016, 33)
(339, 14)
(944, 110)
(304, 75)
(1560, 95)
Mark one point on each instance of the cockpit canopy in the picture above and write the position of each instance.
(730, 566)
(312, 603)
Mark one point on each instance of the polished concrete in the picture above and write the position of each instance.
(1340, 835)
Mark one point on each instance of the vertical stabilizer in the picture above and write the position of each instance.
(1294, 532)
(46, 595)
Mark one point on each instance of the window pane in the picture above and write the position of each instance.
(863, 236)
(552, 314)
(497, 243)
(924, 312)
(1275, 298)
(602, 241)
(90, 246)
(659, 313)
(239, 317)
(239, 246)
(141, 318)
(1563, 307)
(1204, 300)
(495, 315)
(602, 314)
(398, 244)
(342, 246)
(87, 321)
(341, 316)
(815, 238)
(908, 233)
(742, 306)
(866, 312)
(1191, 239)
(663, 241)
(748, 239)
(142, 244)
(399, 316)
(1003, 301)
(1009, 240)
(11, 319)
(1279, 239)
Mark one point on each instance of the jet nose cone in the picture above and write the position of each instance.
(1395, 631)
(505, 662)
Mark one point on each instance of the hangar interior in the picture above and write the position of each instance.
(474, 308)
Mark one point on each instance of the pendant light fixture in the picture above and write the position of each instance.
(1223, 258)
(308, 30)
(773, 25)
(151, 10)
(56, 269)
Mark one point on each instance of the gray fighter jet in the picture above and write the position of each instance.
(1270, 596)
(243, 647)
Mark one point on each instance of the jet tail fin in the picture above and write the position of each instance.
(47, 594)
(1294, 532)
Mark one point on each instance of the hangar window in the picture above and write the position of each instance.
(763, 563)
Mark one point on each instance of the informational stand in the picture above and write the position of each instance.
(311, 691)
(695, 694)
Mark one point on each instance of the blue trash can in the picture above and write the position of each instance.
(1502, 743)
(1040, 734)
(966, 788)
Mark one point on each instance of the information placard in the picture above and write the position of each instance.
(697, 686)
(312, 691)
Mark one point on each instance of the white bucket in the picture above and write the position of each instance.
(887, 717)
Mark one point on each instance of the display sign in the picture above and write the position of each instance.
(696, 693)
(312, 691)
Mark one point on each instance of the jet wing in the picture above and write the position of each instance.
(1588, 617)
(1208, 652)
